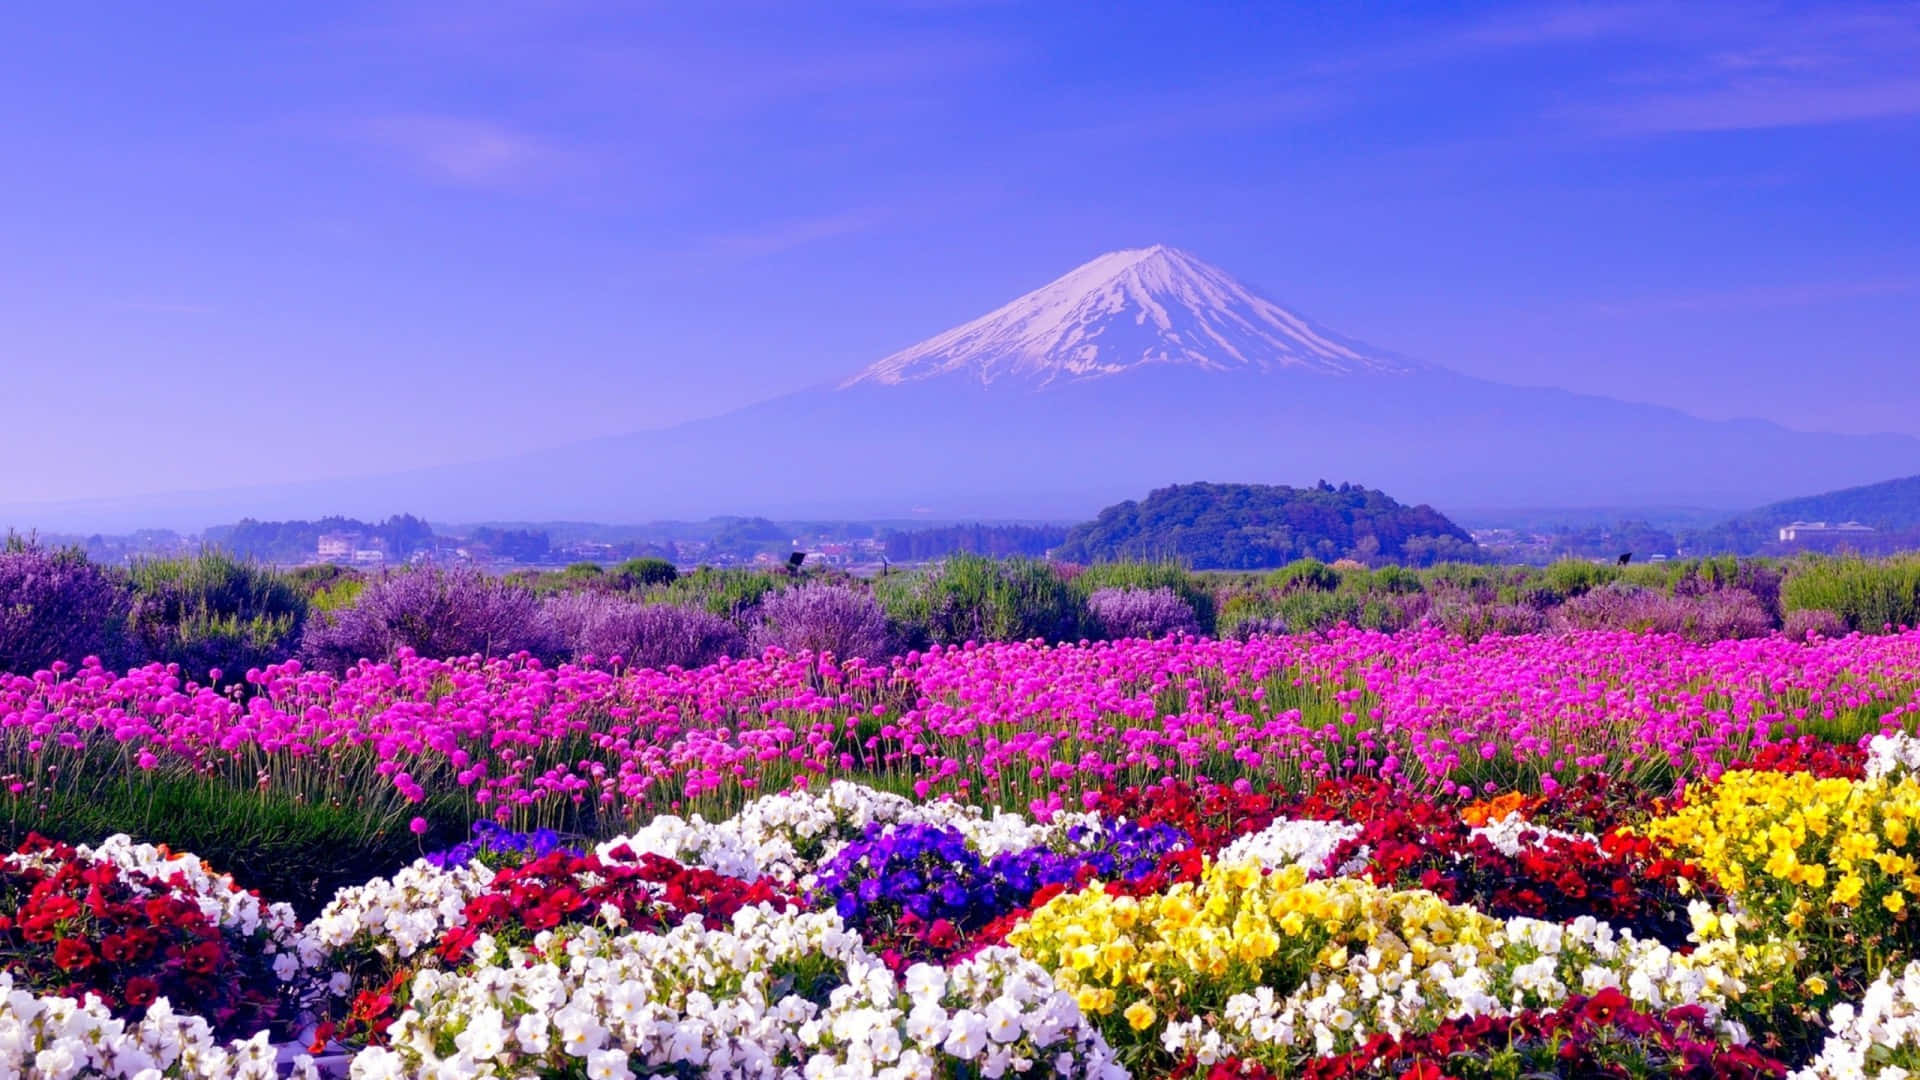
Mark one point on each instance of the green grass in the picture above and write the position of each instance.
(1868, 593)
(730, 593)
(284, 848)
(212, 610)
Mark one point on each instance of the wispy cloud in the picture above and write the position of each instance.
(596, 54)
(1223, 110)
(1535, 29)
(1771, 68)
(779, 236)
(1707, 66)
(1770, 104)
(1762, 297)
(1553, 26)
(164, 307)
(466, 151)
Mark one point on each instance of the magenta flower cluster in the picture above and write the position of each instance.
(1021, 725)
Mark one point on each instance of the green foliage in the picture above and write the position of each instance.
(1391, 580)
(645, 573)
(214, 611)
(1241, 607)
(1869, 594)
(338, 595)
(574, 577)
(1313, 610)
(319, 577)
(728, 592)
(1304, 574)
(1477, 581)
(1572, 577)
(974, 598)
(1308, 595)
(1250, 526)
(921, 545)
(1150, 575)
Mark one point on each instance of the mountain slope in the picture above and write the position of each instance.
(1127, 310)
(1891, 504)
(1892, 507)
(1139, 370)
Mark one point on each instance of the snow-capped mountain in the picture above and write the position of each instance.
(1126, 310)
(1139, 369)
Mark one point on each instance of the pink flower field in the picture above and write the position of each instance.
(1024, 726)
(1340, 854)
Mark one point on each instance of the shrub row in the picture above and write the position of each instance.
(212, 612)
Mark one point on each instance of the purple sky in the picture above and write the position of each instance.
(247, 243)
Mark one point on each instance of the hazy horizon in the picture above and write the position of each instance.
(253, 246)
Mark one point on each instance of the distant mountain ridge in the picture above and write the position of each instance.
(1891, 507)
(1139, 369)
(1890, 504)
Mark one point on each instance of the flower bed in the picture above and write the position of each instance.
(130, 924)
(849, 932)
(1122, 880)
(1022, 726)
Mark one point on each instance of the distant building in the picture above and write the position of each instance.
(1819, 530)
(336, 547)
(369, 557)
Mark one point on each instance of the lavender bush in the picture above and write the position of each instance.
(603, 627)
(1254, 626)
(823, 618)
(437, 613)
(589, 623)
(1713, 575)
(1474, 619)
(1803, 623)
(1709, 616)
(55, 605)
(1141, 613)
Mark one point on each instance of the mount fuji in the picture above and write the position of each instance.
(1138, 369)
(1124, 312)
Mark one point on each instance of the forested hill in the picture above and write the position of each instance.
(1892, 506)
(1250, 526)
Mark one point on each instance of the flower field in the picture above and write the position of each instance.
(1349, 854)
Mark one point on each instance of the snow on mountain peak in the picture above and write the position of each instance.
(1125, 310)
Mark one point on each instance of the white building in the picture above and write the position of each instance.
(336, 547)
(1819, 530)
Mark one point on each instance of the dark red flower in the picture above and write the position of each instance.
(204, 958)
(141, 991)
(72, 954)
